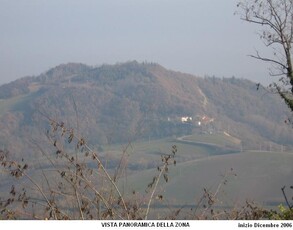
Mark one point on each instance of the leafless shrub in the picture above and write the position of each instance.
(72, 189)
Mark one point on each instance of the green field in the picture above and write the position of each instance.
(259, 178)
(259, 175)
(189, 148)
(221, 139)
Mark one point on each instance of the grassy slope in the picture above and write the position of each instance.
(218, 139)
(260, 175)
(7, 104)
(18, 102)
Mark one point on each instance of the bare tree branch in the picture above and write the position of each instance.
(275, 18)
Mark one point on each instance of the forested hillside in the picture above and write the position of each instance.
(131, 101)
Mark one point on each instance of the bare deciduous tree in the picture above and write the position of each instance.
(275, 17)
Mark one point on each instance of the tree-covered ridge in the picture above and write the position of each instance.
(132, 101)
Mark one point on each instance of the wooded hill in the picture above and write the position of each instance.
(132, 101)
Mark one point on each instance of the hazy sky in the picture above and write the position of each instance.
(202, 37)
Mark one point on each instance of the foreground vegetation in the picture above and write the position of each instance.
(80, 185)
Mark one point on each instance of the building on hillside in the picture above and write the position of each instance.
(206, 124)
(206, 120)
(186, 119)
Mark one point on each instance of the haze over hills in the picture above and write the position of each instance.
(133, 101)
(134, 113)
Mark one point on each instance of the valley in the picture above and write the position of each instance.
(256, 175)
(231, 140)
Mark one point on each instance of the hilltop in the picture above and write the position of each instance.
(132, 101)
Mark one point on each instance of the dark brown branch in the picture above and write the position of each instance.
(286, 199)
(268, 60)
